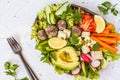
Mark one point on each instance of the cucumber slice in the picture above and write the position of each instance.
(62, 9)
(84, 68)
(48, 11)
(52, 18)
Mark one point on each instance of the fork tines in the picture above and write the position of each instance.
(14, 44)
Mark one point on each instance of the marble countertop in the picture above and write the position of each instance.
(17, 17)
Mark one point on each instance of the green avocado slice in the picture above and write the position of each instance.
(66, 58)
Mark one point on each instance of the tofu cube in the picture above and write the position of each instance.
(85, 34)
(97, 54)
(68, 32)
(85, 49)
(62, 34)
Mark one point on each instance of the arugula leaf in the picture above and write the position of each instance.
(107, 4)
(96, 47)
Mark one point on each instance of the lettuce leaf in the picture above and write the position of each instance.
(60, 71)
(109, 54)
(78, 77)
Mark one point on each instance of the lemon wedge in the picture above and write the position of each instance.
(57, 43)
(100, 23)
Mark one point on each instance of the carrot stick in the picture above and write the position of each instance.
(105, 35)
(109, 40)
(113, 45)
(103, 48)
(104, 44)
(110, 27)
(106, 31)
(118, 38)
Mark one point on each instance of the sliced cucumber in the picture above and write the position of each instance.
(48, 11)
(84, 68)
(52, 18)
(62, 9)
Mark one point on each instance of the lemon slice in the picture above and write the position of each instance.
(57, 43)
(100, 23)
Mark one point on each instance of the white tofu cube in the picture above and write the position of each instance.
(85, 49)
(85, 34)
(68, 32)
(62, 34)
(97, 54)
(92, 43)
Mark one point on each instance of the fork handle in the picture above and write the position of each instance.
(31, 72)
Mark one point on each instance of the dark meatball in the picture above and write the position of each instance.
(51, 31)
(42, 35)
(76, 30)
(61, 24)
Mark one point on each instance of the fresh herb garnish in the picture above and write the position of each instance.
(106, 7)
(11, 70)
(107, 4)
(74, 39)
(96, 47)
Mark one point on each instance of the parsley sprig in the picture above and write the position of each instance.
(106, 6)
(10, 69)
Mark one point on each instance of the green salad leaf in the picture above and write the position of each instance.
(95, 47)
(74, 39)
(109, 54)
(60, 71)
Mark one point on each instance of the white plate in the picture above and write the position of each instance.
(17, 16)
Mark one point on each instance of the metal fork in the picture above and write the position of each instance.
(18, 50)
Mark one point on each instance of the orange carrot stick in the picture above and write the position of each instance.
(103, 48)
(105, 35)
(110, 27)
(113, 45)
(109, 40)
(118, 38)
(104, 44)
(106, 31)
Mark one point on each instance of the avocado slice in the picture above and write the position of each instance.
(66, 58)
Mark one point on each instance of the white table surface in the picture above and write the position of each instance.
(17, 17)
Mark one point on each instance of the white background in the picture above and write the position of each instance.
(17, 17)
